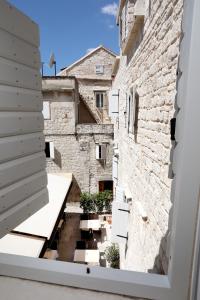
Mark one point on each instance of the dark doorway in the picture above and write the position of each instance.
(105, 185)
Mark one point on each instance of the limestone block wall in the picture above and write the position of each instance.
(62, 113)
(144, 162)
(89, 82)
(76, 153)
(87, 67)
(87, 88)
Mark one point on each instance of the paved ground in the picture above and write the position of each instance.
(70, 234)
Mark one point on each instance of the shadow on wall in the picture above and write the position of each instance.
(161, 262)
(75, 192)
(58, 158)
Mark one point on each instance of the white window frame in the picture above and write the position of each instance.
(99, 69)
(176, 285)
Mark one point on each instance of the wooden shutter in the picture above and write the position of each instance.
(23, 177)
(113, 103)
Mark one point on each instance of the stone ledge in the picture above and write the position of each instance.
(95, 129)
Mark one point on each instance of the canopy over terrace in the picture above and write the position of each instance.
(31, 236)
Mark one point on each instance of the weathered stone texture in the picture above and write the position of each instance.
(75, 145)
(144, 165)
(87, 67)
(89, 82)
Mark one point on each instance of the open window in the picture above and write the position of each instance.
(49, 150)
(99, 69)
(101, 152)
(100, 97)
(185, 193)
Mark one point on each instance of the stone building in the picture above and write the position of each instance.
(94, 76)
(143, 105)
(83, 149)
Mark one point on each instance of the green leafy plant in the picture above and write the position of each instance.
(87, 202)
(112, 256)
(108, 197)
(100, 202)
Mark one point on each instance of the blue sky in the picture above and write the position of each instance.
(70, 28)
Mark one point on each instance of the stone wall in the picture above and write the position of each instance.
(87, 89)
(144, 161)
(87, 67)
(89, 82)
(75, 145)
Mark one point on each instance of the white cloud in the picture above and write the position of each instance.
(90, 50)
(110, 9)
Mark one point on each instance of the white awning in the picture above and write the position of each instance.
(90, 224)
(42, 223)
(21, 245)
(89, 256)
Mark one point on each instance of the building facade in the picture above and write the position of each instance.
(84, 149)
(144, 91)
(94, 76)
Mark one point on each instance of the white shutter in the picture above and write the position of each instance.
(52, 150)
(23, 177)
(115, 169)
(120, 216)
(120, 195)
(97, 152)
(113, 103)
(46, 110)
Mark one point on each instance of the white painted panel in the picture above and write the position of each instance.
(120, 195)
(97, 152)
(52, 150)
(113, 103)
(15, 22)
(115, 168)
(13, 123)
(21, 190)
(14, 74)
(17, 99)
(18, 244)
(21, 145)
(22, 158)
(46, 110)
(18, 213)
(19, 51)
(16, 170)
(120, 215)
